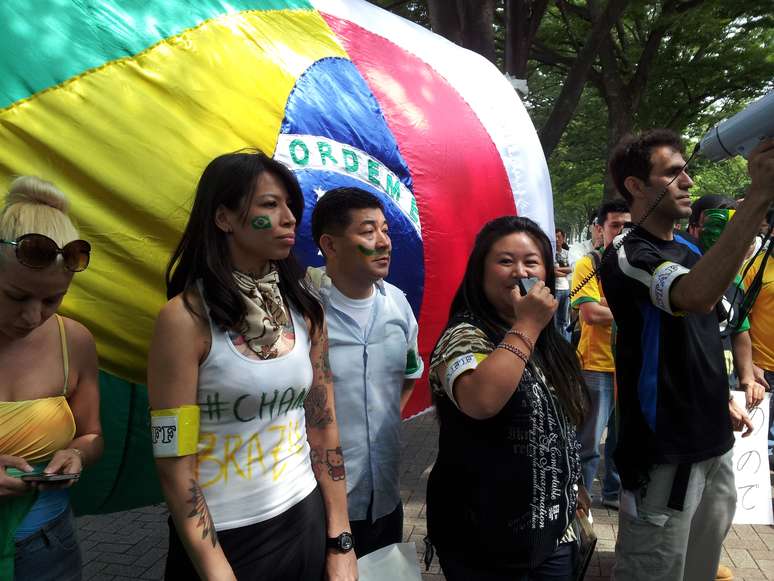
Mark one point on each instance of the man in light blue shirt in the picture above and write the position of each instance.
(372, 334)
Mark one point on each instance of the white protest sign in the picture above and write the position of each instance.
(751, 468)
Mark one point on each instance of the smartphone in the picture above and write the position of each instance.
(43, 478)
(525, 284)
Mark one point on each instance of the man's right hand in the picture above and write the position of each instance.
(10, 485)
(760, 166)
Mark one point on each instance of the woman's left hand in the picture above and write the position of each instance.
(341, 566)
(66, 461)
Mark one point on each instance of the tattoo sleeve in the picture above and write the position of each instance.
(316, 406)
(330, 461)
(318, 414)
(323, 363)
(200, 509)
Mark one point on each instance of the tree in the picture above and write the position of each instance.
(578, 72)
(656, 70)
(727, 178)
(522, 20)
(469, 23)
(600, 68)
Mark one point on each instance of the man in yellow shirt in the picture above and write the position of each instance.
(762, 329)
(596, 355)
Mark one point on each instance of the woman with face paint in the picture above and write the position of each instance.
(49, 401)
(243, 421)
(502, 495)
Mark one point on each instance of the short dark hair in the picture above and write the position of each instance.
(631, 156)
(331, 214)
(593, 217)
(709, 202)
(562, 231)
(618, 206)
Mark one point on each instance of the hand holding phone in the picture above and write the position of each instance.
(46, 478)
(525, 284)
(11, 467)
(533, 307)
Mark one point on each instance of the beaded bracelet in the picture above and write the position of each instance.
(523, 336)
(515, 350)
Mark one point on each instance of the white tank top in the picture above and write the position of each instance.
(253, 461)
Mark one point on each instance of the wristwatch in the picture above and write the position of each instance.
(342, 543)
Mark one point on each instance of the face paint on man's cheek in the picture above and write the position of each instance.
(261, 223)
(371, 252)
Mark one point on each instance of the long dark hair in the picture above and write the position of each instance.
(202, 253)
(556, 356)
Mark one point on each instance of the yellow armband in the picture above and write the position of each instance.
(175, 431)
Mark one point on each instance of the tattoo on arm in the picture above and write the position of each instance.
(323, 363)
(332, 462)
(318, 414)
(200, 509)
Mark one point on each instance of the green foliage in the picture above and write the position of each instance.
(726, 178)
(713, 58)
(577, 164)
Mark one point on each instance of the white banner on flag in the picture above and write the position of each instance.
(751, 468)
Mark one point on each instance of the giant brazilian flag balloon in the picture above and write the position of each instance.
(122, 104)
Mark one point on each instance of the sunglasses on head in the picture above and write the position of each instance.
(38, 251)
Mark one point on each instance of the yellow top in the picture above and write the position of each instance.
(762, 315)
(35, 429)
(594, 348)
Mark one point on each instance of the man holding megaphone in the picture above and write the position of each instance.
(675, 438)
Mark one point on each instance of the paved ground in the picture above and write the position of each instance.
(132, 544)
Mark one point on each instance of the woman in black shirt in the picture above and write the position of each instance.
(508, 391)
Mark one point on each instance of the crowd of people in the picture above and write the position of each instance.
(299, 474)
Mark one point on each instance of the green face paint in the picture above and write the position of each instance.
(715, 221)
(261, 223)
(371, 251)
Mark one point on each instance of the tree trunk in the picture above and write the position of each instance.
(565, 105)
(478, 26)
(445, 19)
(469, 23)
(620, 120)
(623, 98)
(522, 19)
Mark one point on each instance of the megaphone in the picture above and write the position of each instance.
(741, 133)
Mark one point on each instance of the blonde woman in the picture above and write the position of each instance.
(49, 402)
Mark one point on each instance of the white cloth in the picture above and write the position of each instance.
(578, 251)
(562, 282)
(253, 460)
(358, 309)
